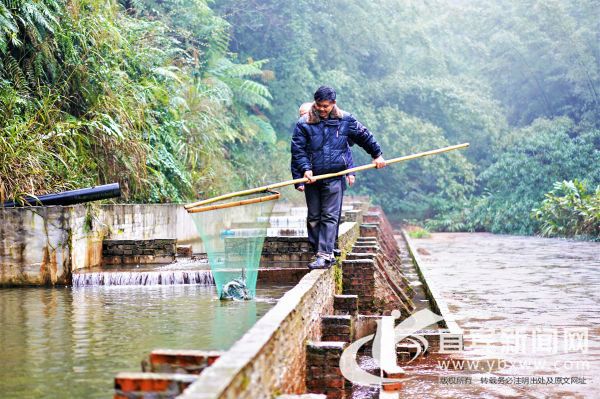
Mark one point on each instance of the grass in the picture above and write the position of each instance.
(418, 232)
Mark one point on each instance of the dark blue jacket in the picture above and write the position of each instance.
(296, 174)
(324, 147)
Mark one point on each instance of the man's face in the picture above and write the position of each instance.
(324, 107)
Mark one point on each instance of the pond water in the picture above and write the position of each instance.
(530, 310)
(70, 342)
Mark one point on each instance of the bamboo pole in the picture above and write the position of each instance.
(325, 176)
(198, 209)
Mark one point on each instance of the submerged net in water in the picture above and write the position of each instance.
(233, 238)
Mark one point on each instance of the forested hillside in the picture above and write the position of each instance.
(180, 99)
(141, 93)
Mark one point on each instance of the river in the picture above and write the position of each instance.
(71, 342)
(530, 311)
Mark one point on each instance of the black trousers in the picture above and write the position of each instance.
(337, 232)
(324, 202)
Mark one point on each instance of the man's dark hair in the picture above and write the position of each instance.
(325, 93)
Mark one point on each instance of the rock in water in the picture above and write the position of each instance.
(235, 290)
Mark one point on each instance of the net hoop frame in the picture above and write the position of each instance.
(273, 195)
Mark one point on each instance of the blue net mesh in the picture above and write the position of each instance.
(233, 239)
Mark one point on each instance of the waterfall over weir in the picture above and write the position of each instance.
(163, 277)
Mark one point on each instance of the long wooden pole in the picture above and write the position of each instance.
(198, 209)
(325, 176)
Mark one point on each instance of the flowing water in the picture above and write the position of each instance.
(70, 342)
(530, 310)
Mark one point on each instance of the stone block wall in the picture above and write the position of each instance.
(286, 249)
(348, 234)
(297, 249)
(149, 221)
(44, 245)
(139, 251)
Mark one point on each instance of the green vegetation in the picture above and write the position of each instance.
(418, 232)
(94, 94)
(518, 80)
(168, 99)
(570, 210)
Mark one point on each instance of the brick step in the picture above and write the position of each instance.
(179, 361)
(360, 255)
(323, 375)
(337, 328)
(367, 239)
(361, 249)
(151, 385)
(345, 305)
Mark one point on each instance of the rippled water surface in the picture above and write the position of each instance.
(518, 299)
(70, 343)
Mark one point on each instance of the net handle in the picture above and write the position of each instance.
(273, 196)
(191, 206)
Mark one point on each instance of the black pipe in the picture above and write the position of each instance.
(70, 197)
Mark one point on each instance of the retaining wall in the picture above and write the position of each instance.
(43, 245)
(270, 358)
(288, 350)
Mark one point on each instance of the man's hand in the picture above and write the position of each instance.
(350, 179)
(308, 174)
(300, 187)
(379, 162)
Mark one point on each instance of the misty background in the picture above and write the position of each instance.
(185, 99)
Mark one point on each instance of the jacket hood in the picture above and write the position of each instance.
(314, 118)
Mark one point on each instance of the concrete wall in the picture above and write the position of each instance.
(35, 245)
(43, 245)
(142, 222)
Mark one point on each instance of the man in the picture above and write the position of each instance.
(320, 144)
(350, 177)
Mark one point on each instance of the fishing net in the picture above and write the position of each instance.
(233, 234)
